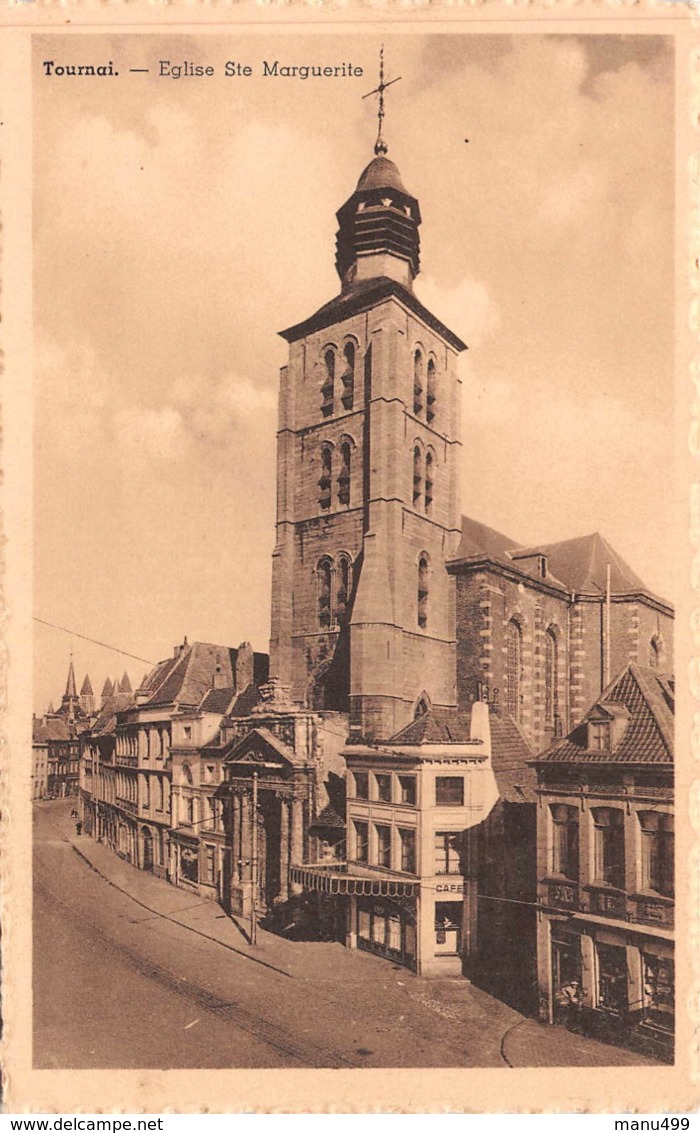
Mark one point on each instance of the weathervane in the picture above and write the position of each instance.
(380, 146)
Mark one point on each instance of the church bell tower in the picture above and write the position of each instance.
(368, 510)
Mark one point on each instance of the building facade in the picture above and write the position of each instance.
(606, 864)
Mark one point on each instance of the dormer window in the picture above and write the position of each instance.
(599, 735)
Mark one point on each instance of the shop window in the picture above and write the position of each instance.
(407, 789)
(431, 395)
(449, 790)
(325, 477)
(328, 382)
(657, 851)
(609, 847)
(324, 574)
(417, 476)
(344, 474)
(209, 865)
(448, 927)
(348, 375)
(612, 978)
(407, 839)
(447, 846)
(383, 846)
(383, 783)
(189, 864)
(361, 841)
(658, 991)
(423, 576)
(361, 784)
(514, 653)
(565, 841)
(418, 391)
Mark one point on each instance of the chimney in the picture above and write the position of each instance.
(244, 666)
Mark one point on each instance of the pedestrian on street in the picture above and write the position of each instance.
(571, 999)
(78, 828)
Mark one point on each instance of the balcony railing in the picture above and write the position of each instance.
(638, 908)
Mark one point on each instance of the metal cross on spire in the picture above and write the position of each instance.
(380, 146)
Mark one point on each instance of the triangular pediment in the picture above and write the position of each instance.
(261, 747)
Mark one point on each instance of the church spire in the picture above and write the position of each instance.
(69, 701)
(380, 146)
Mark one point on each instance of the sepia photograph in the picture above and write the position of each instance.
(353, 531)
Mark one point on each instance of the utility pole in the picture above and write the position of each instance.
(254, 865)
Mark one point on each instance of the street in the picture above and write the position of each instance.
(121, 982)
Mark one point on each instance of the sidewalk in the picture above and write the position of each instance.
(301, 960)
(502, 1035)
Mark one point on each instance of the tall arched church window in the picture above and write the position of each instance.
(654, 653)
(324, 480)
(418, 390)
(423, 586)
(429, 465)
(514, 651)
(348, 376)
(432, 393)
(417, 475)
(328, 383)
(344, 474)
(551, 680)
(343, 592)
(325, 574)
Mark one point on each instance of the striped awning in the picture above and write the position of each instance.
(337, 879)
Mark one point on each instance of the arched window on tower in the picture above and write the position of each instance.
(324, 572)
(417, 475)
(324, 480)
(551, 681)
(344, 586)
(432, 393)
(348, 376)
(423, 587)
(328, 382)
(655, 653)
(514, 653)
(418, 390)
(429, 465)
(344, 474)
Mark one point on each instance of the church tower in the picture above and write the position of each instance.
(70, 703)
(87, 697)
(368, 510)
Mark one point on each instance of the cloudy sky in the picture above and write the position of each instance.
(179, 224)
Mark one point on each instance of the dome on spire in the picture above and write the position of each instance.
(381, 173)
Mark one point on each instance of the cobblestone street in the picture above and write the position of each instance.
(116, 948)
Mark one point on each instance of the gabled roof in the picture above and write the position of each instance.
(45, 728)
(576, 566)
(648, 697)
(436, 726)
(329, 819)
(581, 564)
(510, 756)
(186, 678)
(362, 297)
(218, 700)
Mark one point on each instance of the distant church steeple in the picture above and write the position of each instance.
(107, 691)
(70, 703)
(87, 697)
